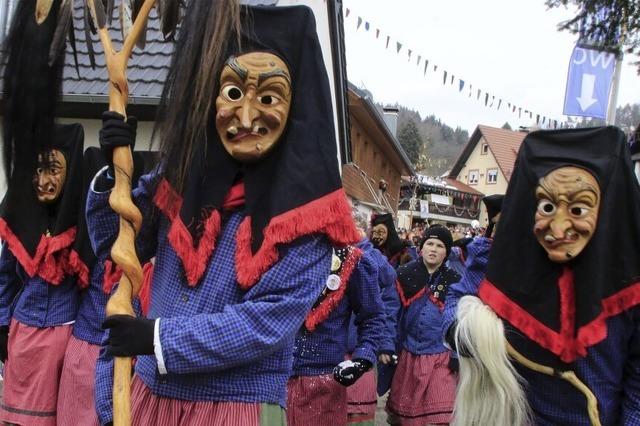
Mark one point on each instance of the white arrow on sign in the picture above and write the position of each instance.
(586, 98)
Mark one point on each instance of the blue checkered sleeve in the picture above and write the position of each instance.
(266, 318)
(476, 265)
(391, 301)
(9, 284)
(103, 222)
(631, 397)
(366, 302)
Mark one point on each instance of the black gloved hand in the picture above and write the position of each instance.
(454, 365)
(347, 372)
(116, 132)
(4, 340)
(129, 336)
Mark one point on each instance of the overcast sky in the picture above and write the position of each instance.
(511, 49)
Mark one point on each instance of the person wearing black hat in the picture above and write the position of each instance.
(385, 238)
(557, 307)
(241, 216)
(423, 386)
(493, 203)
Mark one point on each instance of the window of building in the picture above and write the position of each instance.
(492, 175)
(473, 177)
(484, 149)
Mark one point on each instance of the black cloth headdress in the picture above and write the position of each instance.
(563, 308)
(493, 203)
(394, 244)
(295, 190)
(82, 257)
(24, 220)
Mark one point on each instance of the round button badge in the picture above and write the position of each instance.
(333, 282)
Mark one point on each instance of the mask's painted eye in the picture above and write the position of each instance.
(578, 210)
(546, 208)
(232, 92)
(39, 170)
(268, 100)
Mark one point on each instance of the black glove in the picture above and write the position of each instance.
(129, 336)
(347, 372)
(116, 132)
(454, 365)
(4, 340)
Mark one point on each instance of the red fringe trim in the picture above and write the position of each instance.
(195, 260)
(111, 276)
(324, 309)
(329, 215)
(406, 302)
(51, 260)
(567, 348)
(77, 266)
(145, 289)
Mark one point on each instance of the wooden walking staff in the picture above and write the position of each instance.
(123, 251)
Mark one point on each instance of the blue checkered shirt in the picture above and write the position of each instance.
(390, 301)
(33, 301)
(91, 313)
(317, 352)
(611, 369)
(219, 343)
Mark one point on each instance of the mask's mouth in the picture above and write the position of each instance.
(235, 134)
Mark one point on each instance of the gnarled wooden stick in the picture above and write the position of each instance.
(123, 251)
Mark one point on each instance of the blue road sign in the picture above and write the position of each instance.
(589, 83)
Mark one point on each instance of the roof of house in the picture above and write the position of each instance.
(146, 72)
(462, 187)
(503, 145)
(365, 99)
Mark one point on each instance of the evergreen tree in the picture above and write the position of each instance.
(594, 26)
(411, 141)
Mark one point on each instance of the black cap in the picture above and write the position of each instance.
(438, 232)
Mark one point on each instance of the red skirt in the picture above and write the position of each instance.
(423, 390)
(76, 404)
(32, 374)
(149, 409)
(362, 399)
(316, 400)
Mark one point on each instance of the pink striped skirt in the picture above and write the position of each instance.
(76, 404)
(362, 398)
(316, 400)
(149, 409)
(422, 390)
(32, 374)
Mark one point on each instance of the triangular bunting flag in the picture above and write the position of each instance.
(348, 12)
(460, 85)
(519, 112)
(453, 77)
(418, 61)
(444, 77)
(537, 118)
(493, 98)
(359, 23)
(387, 46)
(435, 68)
(499, 103)
(377, 32)
(426, 65)
(366, 26)
(544, 119)
(470, 90)
(478, 97)
(410, 52)
(486, 99)
(398, 46)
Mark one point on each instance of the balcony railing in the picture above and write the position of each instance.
(444, 210)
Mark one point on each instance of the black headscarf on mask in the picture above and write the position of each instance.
(24, 220)
(393, 245)
(559, 310)
(295, 190)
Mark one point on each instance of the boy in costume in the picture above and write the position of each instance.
(558, 292)
(241, 219)
(314, 398)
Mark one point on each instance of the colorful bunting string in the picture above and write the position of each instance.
(511, 107)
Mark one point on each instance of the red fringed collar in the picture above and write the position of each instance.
(329, 215)
(51, 262)
(567, 343)
(331, 299)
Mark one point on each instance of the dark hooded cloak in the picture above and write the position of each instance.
(560, 310)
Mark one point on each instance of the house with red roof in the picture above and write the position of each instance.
(486, 162)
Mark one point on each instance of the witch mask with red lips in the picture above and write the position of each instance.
(253, 104)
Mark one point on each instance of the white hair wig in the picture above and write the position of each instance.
(490, 391)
